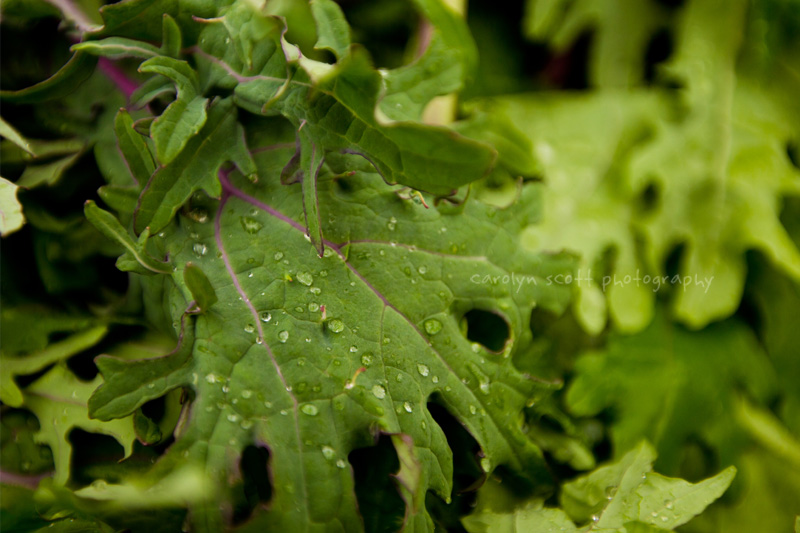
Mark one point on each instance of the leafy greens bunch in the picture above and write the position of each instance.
(333, 307)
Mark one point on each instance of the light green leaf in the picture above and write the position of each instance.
(332, 29)
(58, 399)
(8, 132)
(588, 208)
(33, 362)
(679, 501)
(623, 497)
(117, 48)
(448, 62)
(11, 217)
(617, 58)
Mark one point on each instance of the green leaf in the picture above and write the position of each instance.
(195, 168)
(332, 29)
(47, 173)
(74, 72)
(185, 116)
(11, 217)
(137, 19)
(134, 148)
(171, 42)
(669, 385)
(117, 48)
(336, 104)
(109, 226)
(308, 400)
(198, 284)
(150, 90)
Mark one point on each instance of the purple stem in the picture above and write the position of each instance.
(22, 480)
(120, 79)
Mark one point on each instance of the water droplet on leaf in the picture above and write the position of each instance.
(251, 225)
(433, 326)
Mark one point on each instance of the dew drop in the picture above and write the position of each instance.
(353, 349)
(340, 463)
(379, 392)
(199, 249)
(251, 225)
(366, 359)
(305, 278)
(246, 423)
(473, 409)
(249, 328)
(198, 214)
(435, 379)
(392, 224)
(246, 394)
(313, 307)
(595, 518)
(423, 370)
(668, 504)
(336, 325)
(278, 256)
(423, 269)
(433, 326)
(407, 406)
(265, 316)
(233, 417)
(310, 409)
(328, 452)
(283, 336)
(211, 378)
